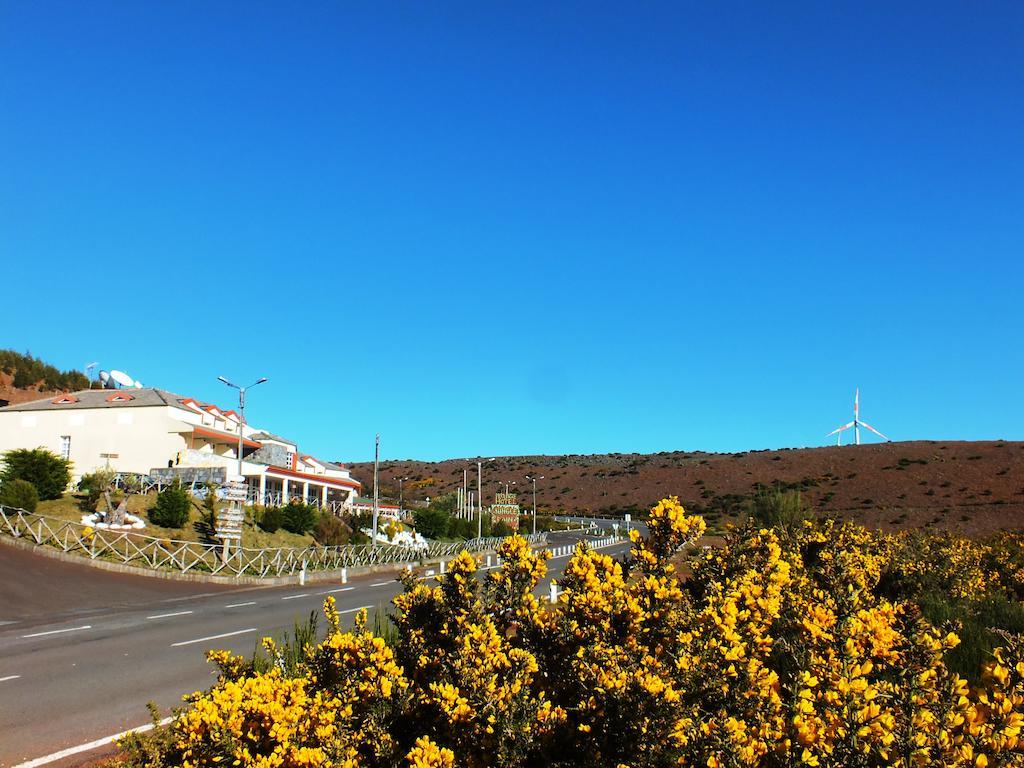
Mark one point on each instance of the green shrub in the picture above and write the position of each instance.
(774, 507)
(501, 528)
(271, 519)
(330, 531)
(461, 528)
(172, 507)
(298, 517)
(47, 471)
(19, 494)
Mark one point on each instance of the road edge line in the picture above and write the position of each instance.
(54, 756)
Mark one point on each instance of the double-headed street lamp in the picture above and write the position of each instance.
(241, 408)
(534, 479)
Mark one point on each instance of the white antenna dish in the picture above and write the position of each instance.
(104, 379)
(122, 378)
(138, 384)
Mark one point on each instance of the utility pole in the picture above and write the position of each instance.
(376, 494)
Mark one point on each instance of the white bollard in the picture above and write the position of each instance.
(302, 575)
(554, 592)
(488, 561)
(440, 566)
(344, 575)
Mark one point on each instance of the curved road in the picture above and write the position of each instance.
(83, 650)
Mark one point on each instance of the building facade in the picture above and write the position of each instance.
(152, 432)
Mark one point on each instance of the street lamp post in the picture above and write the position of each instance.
(534, 480)
(241, 417)
(400, 481)
(480, 498)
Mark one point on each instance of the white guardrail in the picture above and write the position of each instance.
(130, 548)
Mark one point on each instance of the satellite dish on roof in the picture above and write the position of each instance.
(104, 379)
(138, 384)
(122, 378)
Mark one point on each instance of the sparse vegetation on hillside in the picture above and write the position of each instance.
(29, 371)
(967, 487)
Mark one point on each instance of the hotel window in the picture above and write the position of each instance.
(65, 446)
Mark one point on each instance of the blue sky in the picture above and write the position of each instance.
(485, 229)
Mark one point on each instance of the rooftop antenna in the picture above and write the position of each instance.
(856, 423)
(88, 370)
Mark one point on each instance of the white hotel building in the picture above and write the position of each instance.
(151, 432)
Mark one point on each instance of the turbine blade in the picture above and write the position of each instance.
(840, 429)
(868, 426)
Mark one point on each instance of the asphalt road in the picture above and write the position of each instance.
(82, 651)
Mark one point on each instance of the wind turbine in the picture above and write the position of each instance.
(856, 423)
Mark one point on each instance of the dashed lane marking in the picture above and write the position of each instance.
(214, 637)
(58, 631)
(239, 605)
(295, 597)
(168, 615)
(342, 589)
(9, 677)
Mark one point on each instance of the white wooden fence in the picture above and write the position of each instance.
(144, 551)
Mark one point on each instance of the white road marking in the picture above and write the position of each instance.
(293, 597)
(9, 677)
(382, 583)
(58, 631)
(332, 591)
(168, 615)
(353, 610)
(214, 637)
(239, 605)
(51, 758)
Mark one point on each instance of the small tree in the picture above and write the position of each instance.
(172, 507)
(432, 523)
(330, 530)
(47, 471)
(19, 494)
(94, 484)
(298, 517)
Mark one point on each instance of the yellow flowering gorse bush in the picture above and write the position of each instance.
(780, 648)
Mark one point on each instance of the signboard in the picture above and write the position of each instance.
(230, 519)
(234, 491)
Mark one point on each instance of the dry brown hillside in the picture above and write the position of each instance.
(974, 488)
